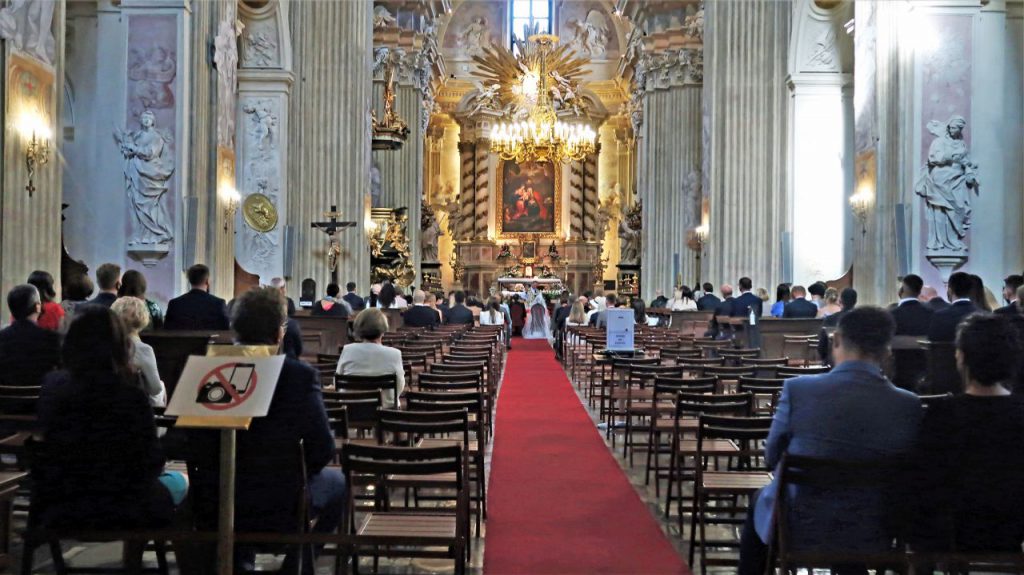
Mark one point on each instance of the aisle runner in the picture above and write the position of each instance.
(558, 501)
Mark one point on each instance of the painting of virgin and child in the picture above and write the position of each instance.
(528, 197)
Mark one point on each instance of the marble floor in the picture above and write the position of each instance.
(108, 554)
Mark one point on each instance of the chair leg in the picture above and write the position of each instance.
(57, 555)
(161, 557)
(28, 552)
(693, 525)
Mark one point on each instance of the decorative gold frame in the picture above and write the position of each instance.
(499, 219)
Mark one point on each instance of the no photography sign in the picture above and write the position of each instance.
(226, 386)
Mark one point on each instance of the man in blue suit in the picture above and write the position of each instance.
(852, 413)
(747, 301)
(945, 321)
(799, 307)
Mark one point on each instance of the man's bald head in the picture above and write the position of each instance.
(928, 293)
(419, 296)
(726, 290)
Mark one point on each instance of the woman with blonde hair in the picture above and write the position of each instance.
(135, 314)
(831, 303)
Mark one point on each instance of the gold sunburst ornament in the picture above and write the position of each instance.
(533, 130)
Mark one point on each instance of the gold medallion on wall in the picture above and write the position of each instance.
(259, 212)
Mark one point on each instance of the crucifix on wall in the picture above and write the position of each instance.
(331, 228)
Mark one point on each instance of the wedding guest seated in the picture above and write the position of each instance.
(1011, 284)
(282, 285)
(76, 292)
(420, 315)
(945, 321)
(388, 296)
(747, 301)
(198, 309)
(459, 314)
(830, 303)
(708, 301)
(354, 301)
(331, 306)
(659, 301)
(799, 307)
(817, 293)
(51, 316)
(135, 315)
(100, 464)
(782, 297)
(108, 278)
(912, 317)
(600, 319)
(973, 498)
(492, 315)
(27, 351)
(133, 284)
(431, 302)
(931, 298)
(848, 297)
(639, 311)
(369, 356)
(264, 502)
(723, 310)
(851, 413)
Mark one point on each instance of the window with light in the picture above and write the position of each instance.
(529, 13)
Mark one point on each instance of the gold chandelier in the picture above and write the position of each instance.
(542, 136)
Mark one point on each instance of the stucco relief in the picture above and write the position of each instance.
(28, 26)
(226, 60)
(260, 45)
(474, 26)
(823, 55)
(261, 153)
(151, 71)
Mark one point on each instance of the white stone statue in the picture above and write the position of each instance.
(28, 26)
(226, 59)
(148, 168)
(454, 211)
(475, 37)
(590, 36)
(945, 182)
(382, 18)
(430, 232)
(629, 234)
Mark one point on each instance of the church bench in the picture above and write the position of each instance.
(173, 348)
(693, 323)
(322, 334)
(773, 330)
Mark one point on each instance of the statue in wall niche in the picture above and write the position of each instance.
(375, 190)
(475, 37)
(225, 58)
(148, 168)
(630, 228)
(454, 211)
(28, 26)
(430, 232)
(946, 182)
(590, 36)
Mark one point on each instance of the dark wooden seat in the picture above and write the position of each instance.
(379, 383)
(743, 475)
(390, 531)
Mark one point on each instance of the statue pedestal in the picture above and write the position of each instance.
(148, 254)
(946, 261)
(430, 276)
(628, 284)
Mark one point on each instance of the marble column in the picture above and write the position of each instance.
(30, 226)
(746, 48)
(329, 130)
(401, 170)
(670, 152)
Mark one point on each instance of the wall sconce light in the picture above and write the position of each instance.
(700, 237)
(232, 199)
(33, 127)
(860, 203)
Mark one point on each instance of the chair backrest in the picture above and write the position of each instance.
(19, 399)
(760, 384)
(764, 361)
(415, 424)
(747, 433)
(740, 404)
(786, 372)
(671, 386)
(867, 490)
(645, 373)
(677, 353)
(379, 463)
(337, 419)
(701, 363)
(361, 406)
(348, 382)
(723, 372)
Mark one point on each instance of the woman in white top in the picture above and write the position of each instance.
(599, 306)
(682, 300)
(370, 356)
(135, 315)
(492, 314)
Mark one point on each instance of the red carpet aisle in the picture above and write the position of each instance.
(558, 501)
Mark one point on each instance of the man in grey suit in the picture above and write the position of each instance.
(852, 413)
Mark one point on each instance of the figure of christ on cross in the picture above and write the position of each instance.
(331, 227)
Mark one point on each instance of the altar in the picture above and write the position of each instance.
(506, 286)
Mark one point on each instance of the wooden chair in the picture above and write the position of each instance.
(798, 348)
(727, 376)
(710, 347)
(379, 383)
(790, 371)
(762, 388)
(360, 409)
(19, 399)
(666, 389)
(637, 399)
(834, 477)
(740, 479)
(736, 356)
(409, 532)
(689, 405)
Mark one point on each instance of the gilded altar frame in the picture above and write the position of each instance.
(499, 220)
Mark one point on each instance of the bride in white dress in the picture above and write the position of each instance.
(538, 322)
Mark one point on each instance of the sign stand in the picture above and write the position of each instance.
(224, 391)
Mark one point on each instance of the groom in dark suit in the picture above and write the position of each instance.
(197, 309)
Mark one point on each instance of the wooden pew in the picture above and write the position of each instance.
(772, 329)
(693, 323)
(172, 349)
(322, 334)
